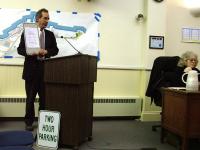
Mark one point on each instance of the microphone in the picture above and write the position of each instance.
(65, 38)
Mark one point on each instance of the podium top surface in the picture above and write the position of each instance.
(70, 56)
(76, 69)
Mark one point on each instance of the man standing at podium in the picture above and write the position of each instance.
(34, 66)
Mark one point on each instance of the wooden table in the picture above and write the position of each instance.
(181, 114)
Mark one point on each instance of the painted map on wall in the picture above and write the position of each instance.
(78, 29)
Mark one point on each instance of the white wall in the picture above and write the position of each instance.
(155, 25)
(167, 19)
(120, 34)
(179, 16)
(123, 43)
(120, 46)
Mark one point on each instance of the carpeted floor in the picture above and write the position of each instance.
(112, 135)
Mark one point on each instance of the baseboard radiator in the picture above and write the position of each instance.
(102, 107)
(117, 107)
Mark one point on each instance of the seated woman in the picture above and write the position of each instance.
(187, 62)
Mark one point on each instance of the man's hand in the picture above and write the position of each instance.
(42, 52)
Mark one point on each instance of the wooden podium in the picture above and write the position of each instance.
(69, 85)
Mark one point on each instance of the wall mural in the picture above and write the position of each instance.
(73, 31)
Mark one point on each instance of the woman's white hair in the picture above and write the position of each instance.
(185, 56)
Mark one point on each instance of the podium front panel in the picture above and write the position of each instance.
(69, 87)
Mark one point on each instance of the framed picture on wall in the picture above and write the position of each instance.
(156, 42)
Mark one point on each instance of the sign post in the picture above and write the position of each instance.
(48, 129)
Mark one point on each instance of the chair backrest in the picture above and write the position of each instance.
(161, 65)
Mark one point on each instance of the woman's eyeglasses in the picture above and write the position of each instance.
(195, 60)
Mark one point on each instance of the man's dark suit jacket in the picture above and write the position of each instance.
(32, 66)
